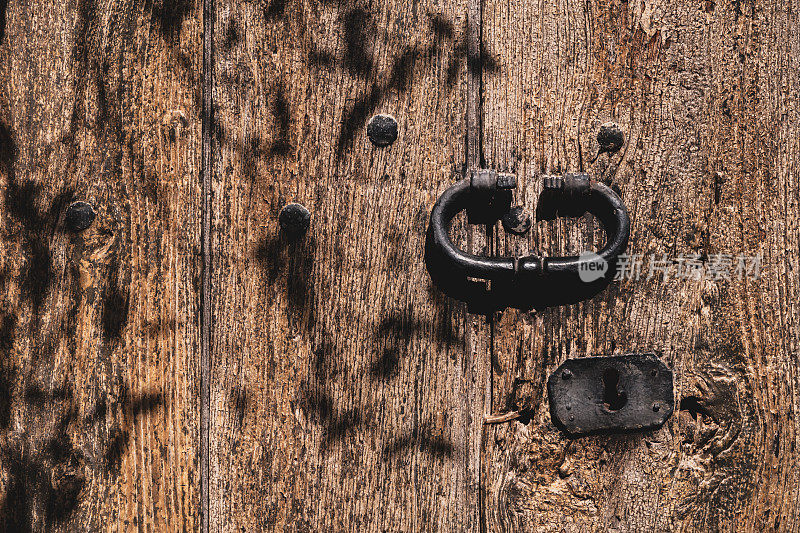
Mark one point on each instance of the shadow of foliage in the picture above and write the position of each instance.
(169, 15)
(421, 439)
(45, 471)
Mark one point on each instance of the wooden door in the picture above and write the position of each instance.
(183, 365)
(100, 329)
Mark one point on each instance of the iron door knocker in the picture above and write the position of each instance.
(530, 281)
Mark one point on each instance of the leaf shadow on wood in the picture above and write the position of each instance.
(115, 307)
(231, 36)
(29, 225)
(30, 486)
(337, 423)
(7, 375)
(282, 143)
(274, 9)
(422, 439)
(399, 76)
(3, 10)
(295, 258)
(46, 476)
(397, 329)
(46, 469)
(239, 401)
(169, 15)
(357, 27)
(119, 435)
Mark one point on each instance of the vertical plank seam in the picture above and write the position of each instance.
(488, 357)
(475, 158)
(205, 301)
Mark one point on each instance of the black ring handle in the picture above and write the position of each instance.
(571, 195)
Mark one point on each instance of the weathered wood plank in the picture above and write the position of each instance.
(99, 334)
(707, 96)
(343, 393)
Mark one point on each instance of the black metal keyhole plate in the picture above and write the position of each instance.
(610, 394)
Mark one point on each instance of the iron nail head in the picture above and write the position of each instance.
(610, 137)
(294, 220)
(79, 217)
(382, 130)
(517, 221)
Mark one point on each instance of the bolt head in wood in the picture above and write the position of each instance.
(294, 220)
(79, 216)
(610, 137)
(382, 130)
(517, 221)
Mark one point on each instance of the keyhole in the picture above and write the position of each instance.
(614, 398)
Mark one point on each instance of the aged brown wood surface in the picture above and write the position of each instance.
(706, 93)
(339, 399)
(99, 333)
(342, 391)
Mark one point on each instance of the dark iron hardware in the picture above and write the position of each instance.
(517, 221)
(294, 220)
(79, 217)
(382, 130)
(530, 281)
(610, 138)
(610, 394)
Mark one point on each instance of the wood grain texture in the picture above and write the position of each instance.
(99, 333)
(343, 391)
(706, 93)
(344, 395)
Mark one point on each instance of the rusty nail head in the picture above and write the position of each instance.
(79, 217)
(610, 137)
(294, 220)
(517, 221)
(382, 130)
